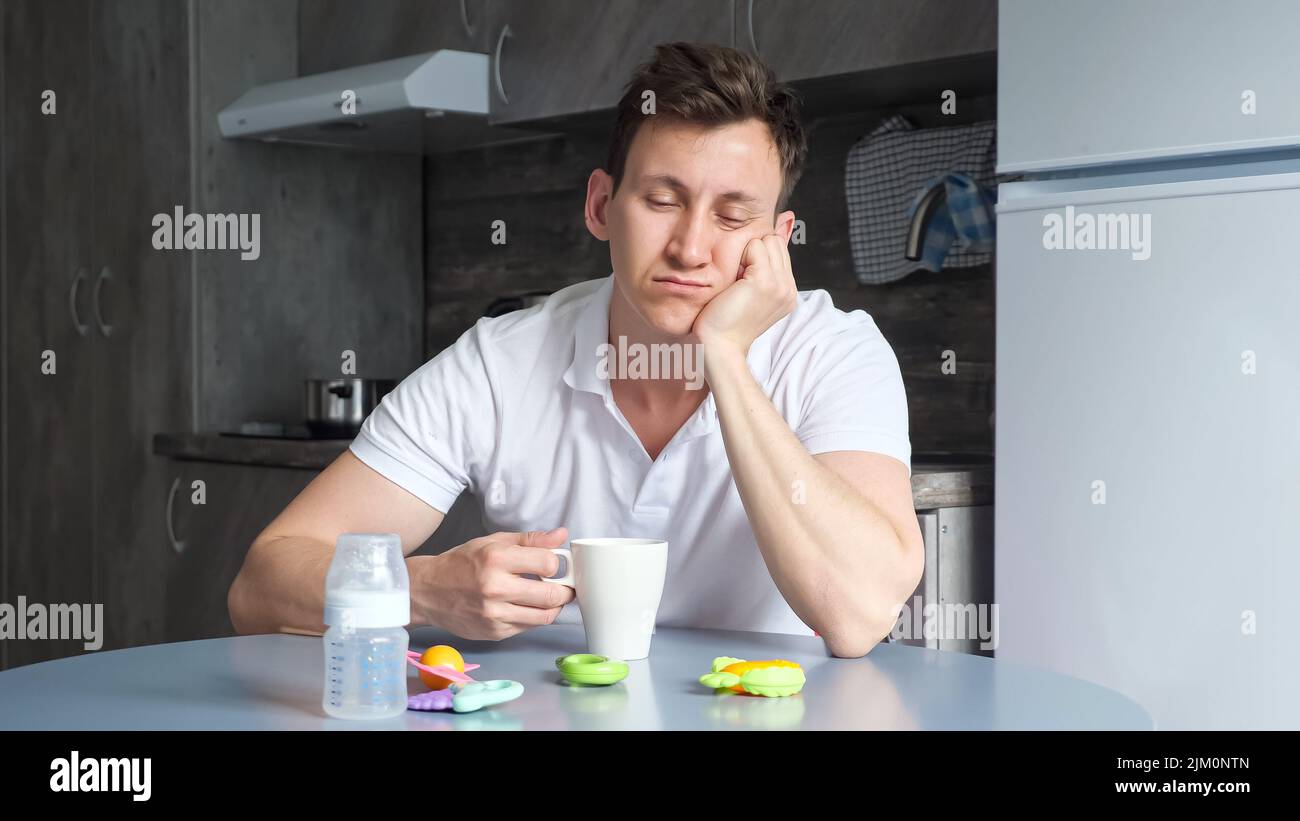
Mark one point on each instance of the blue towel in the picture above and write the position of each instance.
(967, 218)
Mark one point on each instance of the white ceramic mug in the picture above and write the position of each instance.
(619, 583)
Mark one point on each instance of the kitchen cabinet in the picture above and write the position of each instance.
(141, 355)
(558, 57)
(1083, 84)
(819, 38)
(83, 496)
(334, 34)
(209, 541)
(48, 293)
(245, 484)
(958, 574)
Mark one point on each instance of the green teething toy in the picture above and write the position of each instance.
(585, 668)
(774, 678)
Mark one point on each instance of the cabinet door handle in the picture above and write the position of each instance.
(177, 545)
(496, 64)
(104, 328)
(464, 19)
(749, 24)
(82, 328)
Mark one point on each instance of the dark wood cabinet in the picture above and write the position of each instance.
(556, 57)
(83, 494)
(336, 34)
(819, 38)
(553, 58)
(213, 538)
(48, 362)
(142, 350)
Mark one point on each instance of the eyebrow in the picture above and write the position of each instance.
(674, 183)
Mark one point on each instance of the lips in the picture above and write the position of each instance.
(687, 283)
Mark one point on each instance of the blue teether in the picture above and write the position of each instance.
(475, 695)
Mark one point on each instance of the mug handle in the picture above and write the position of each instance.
(567, 578)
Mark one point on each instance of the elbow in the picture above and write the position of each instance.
(848, 648)
(855, 641)
(235, 605)
(860, 632)
(912, 566)
(870, 627)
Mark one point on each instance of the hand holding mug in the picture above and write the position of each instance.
(478, 590)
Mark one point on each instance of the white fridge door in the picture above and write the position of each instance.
(1147, 513)
(1093, 83)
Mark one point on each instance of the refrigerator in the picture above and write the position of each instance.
(1147, 475)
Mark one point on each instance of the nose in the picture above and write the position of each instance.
(691, 244)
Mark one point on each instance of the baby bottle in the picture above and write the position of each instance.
(367, 605)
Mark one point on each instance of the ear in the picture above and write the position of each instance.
(785, 225)
(600, 190)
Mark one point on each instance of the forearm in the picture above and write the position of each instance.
(281, 587)
(834, 556)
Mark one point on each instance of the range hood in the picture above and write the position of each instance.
(422, 104)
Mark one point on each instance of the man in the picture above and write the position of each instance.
(780, 479)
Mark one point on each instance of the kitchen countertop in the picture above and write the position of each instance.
(936, 482)
(273, 682)
(309, 454)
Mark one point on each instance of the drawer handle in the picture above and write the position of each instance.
(82, 328)
(177, 545)
(464, 19)
(496, 64)
(104, 328)
(749, 24)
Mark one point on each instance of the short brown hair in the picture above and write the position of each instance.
(712, 85)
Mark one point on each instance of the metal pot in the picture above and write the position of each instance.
(335, 408)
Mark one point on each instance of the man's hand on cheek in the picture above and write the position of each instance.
(764, 292)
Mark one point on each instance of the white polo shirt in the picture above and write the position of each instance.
(518, 413)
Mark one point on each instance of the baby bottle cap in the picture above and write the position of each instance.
(367, 584)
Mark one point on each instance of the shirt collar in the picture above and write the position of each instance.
(591, 331)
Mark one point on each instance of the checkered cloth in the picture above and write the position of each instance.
(887, 172)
